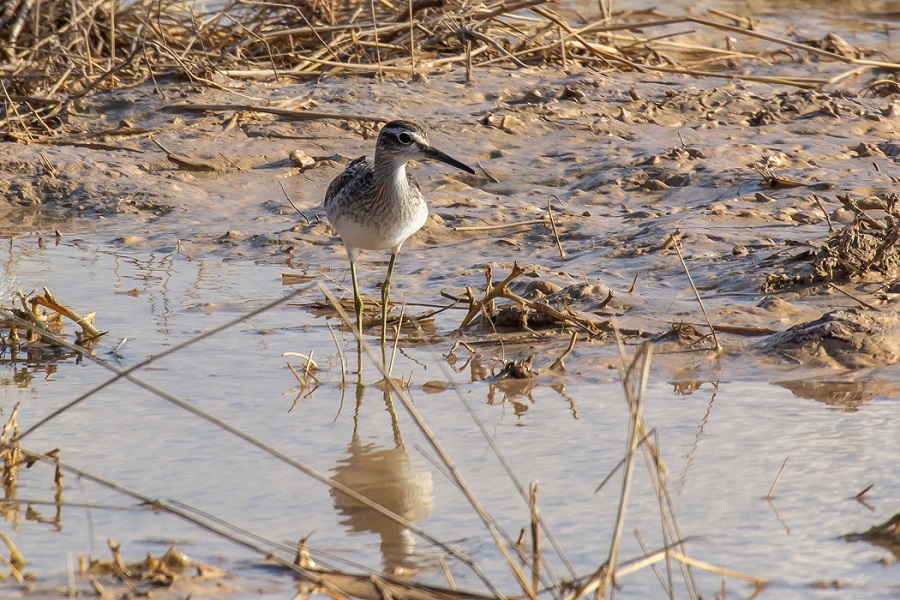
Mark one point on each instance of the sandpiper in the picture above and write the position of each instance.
(380, 207)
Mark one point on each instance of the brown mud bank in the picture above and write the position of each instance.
(749, 180)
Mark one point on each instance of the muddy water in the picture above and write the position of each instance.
(723, 437)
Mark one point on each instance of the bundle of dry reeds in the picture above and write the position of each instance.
(54, 46)
(53, 52)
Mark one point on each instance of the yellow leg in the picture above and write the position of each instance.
(357, 299)
(386, 300)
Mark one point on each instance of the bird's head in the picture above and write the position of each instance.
(400, 141)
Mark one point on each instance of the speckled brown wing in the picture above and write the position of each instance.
(358, 169)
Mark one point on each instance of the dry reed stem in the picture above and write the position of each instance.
(390, 366)
(187, 162)
(562, 253)
(341, 357)
(621, 463)
(634, 393)
(541, 221)
(669, 528)
(777, 477)
(693, 562)
(535, 539)
(558, 363)
(718, 347)
(648, 560)
(824, 212)
(137, 41)
(98, 588)
(298, 115)
(377, 45)
(493, 44)
(447, 574)
(16, 561)
(853, 297)
(666, 583)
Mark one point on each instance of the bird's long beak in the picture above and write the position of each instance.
(444, 158)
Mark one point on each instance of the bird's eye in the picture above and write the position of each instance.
(404, 138)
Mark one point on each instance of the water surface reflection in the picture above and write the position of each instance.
(390, 476)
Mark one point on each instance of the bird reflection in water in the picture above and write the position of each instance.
(392, 478)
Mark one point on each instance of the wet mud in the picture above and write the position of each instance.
(749, 180)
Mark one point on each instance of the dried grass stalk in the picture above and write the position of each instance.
(53, 52)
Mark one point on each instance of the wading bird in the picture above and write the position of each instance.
(379, 207)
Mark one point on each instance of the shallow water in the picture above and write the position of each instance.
(723, 443)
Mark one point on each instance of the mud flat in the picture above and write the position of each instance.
(750, 180)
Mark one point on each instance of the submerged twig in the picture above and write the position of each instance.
(562, 253)
(718, 346)
(558, 363)
(777, 477)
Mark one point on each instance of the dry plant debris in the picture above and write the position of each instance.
(29, 328)
(55, 53)
(307, 380)
(154, 571)
(13, 459)
(867, 247)
(541, 304)
(342, 585)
